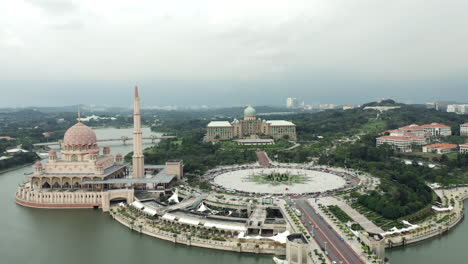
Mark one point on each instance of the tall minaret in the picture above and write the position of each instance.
(138, 158)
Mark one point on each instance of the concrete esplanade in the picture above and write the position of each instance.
(311, 181)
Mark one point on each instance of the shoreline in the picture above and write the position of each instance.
(15, 168)
(433, 233)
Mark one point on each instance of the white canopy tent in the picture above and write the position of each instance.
(188, 221)
(149, 211)
(226, 227)
(439, 209)
(202, 208)
(174, 197)
(169, 217)
(138, 205)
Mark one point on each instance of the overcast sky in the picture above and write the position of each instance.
(60, 52)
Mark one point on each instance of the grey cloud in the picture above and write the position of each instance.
(73, 24)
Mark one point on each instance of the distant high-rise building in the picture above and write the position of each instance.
(291, 103)
(348, 107)
(327, 106)
(457, 108)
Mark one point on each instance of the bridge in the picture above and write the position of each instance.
(124, 139)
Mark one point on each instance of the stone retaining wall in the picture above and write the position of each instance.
(55, 206)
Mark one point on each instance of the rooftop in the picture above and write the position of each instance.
(161, 177)
(280, 123)
(107, 171)
(435, 125)
(400, 137)
(441, 146)
(297, 238)
(420, 127)
(219, 124)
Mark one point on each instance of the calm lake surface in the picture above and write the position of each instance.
(40, 236)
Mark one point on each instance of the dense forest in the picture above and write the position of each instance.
(402, 190)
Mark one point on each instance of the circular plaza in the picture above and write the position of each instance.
(280, 180)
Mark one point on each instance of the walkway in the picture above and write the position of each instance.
(263, 159)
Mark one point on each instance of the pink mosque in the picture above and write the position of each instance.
(86, 177)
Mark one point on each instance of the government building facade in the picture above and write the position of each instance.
(250, 127)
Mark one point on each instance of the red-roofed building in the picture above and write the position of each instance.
(415, 129)
(427, 130)
(464, 148)
(464, 129)
(440, 148)
(436, 129)
(401, 141)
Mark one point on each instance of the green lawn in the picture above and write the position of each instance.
(377, 219)
(373, 126)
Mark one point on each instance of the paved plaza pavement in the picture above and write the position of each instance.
(316, 181)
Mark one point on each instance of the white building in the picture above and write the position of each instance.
(291, 103)
(348, 107)
(457, 108)
(250, 127)
(436, 129)
(439, 148)
(381, 108)
(464, 129)
(464, 148)
(427, 130)
(326, 106)
(401, 141)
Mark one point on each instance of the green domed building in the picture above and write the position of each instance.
(250, 113)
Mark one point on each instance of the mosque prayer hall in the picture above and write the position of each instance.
(83, 176)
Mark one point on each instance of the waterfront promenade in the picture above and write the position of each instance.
(196, 236)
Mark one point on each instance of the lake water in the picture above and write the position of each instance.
(40, 236)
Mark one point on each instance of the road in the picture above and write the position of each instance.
(325, 236)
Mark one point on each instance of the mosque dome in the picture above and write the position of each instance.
(79, 134)
(250, 111)
(38, 164)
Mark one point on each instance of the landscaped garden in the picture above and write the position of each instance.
(276, 178)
